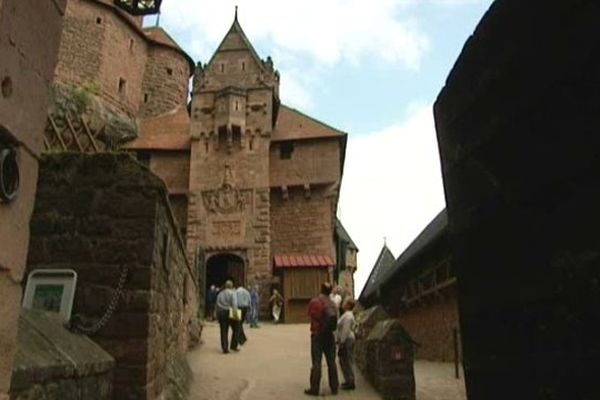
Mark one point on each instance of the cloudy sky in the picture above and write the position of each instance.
(370, 68)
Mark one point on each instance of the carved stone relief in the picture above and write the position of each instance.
(227, 199)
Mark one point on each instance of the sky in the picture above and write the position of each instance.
(369, 68)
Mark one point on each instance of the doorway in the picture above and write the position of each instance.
(222, 267)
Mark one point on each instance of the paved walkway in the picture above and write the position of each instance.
(274, 365)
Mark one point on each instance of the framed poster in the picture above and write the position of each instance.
(51, 290)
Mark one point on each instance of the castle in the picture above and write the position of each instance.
(254, 184)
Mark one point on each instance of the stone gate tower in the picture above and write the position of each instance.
(235, 101)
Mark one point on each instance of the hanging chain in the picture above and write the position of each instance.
(112, 306)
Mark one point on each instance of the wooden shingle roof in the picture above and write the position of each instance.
(170, 131)
(292, 124)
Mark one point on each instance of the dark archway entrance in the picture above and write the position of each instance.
(222, 267)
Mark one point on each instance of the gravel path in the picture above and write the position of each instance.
(275, 363)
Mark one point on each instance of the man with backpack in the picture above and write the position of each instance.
(323, 323)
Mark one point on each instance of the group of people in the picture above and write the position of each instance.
(232, 306)
(331, 325)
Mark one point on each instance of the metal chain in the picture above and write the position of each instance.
(112, 306)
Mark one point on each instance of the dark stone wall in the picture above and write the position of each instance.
(518, 129)
(55, 364)
(97, 215)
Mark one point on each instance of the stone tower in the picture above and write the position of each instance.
(235, 101)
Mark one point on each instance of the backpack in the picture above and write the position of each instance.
(329, 317)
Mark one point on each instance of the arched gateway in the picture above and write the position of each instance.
(223, 266)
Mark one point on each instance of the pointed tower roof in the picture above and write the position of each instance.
(384, 262)
(227, 44)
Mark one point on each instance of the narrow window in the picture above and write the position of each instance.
(98, 20)
(131, 44)
(145, 97)
(251, 143)
(222, 67)
(243, 66)
(122, 86)
(237, 105)
(285, 150)
(170, 71)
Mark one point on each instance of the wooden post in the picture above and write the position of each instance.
(455, 337)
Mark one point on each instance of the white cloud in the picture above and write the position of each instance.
(327, 32)
(392, 186)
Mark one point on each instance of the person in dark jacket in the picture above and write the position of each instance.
(322, 341)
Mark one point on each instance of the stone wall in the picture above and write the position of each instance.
(166, 81)
(98, 215)
(53, 363)
(518, 124)
(300, 224)
(311, 162)
(173, 167)
(29, 38)
(100, 48)
(107, 50)
(432, 325)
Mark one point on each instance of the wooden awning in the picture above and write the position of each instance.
(302, 261)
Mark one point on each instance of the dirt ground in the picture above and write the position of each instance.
(274, 365)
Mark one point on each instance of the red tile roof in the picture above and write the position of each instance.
(302, 261)
(166, 132)
(292, 124)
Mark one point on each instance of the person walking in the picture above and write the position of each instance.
(345, 340)
(323, 322)
(226, 305)
(211, 299)
(254, 306)
(276, 301)
(243, 300)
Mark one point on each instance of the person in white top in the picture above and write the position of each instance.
(336, 297)
(345, 340)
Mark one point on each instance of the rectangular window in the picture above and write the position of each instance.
(146, 97)
(285, 150)
(170, 71)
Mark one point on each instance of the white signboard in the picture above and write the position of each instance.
(51, 290)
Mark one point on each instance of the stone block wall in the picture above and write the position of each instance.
(301, 224)
(28, 52)
(99, 215)
(100, 47)
(365, 322)
(432, 326)
(53, 363)
(312, 161)
(390, 361)
(165, 83)
(106, 48)
(518, 125)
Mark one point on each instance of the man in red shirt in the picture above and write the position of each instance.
(322, 342)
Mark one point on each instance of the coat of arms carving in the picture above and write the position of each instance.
(227, 198)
